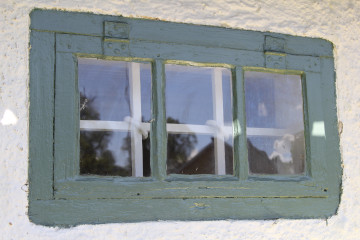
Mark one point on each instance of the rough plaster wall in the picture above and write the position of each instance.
(335, 20)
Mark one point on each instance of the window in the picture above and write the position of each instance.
(138, 120)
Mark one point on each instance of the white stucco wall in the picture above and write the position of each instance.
(335, 20)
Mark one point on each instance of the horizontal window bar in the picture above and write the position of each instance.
(96, 125)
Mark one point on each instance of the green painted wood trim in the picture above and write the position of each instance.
(240, 140)
(158, 125)
(67, 117)
(308, 46)
(306, 126)
(41, 115)
(316, 134)
(303, 63)
(185, 52)
(67, 213)
(78, 44)
(207, 55)
(161, 31)
(99, 189)
(273, 70)
(68, 22)
(332, 153)
(200, 177)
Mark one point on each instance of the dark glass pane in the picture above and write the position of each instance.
(190, 154)
(229, 161)
(105, 153)
(194, 154)
(109, 153)
(275, 125)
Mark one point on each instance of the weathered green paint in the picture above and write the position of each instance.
(42, 64)
(116, 30)
(74, 212)
(332, 154)
(78, 44)
(161, 31)
(275, 60)
(188, 52)
(273, 70)
(66, 137)
(303, 63)
(198, 64)
(274, 44)
(158, 125)
(240, 140)
(307, 170)
(317, 160)
(98, 188)
(59, 196)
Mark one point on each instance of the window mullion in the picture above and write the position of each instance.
(158, 125)
(241, 165)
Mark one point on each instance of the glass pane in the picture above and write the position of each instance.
(199, 120)
(145, 80)
(190, 154)
(227, 97)
(275, 123)
(120, 94)
(105, 153)
(188, 94)
(229, 161)
(105, 84)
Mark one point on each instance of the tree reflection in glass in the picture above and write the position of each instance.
(95, 157)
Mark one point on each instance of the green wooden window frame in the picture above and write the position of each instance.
(60, 196)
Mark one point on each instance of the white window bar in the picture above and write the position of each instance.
(136, 136)
(95, 125)
(192, 128)
(274, 132)
(219, 146)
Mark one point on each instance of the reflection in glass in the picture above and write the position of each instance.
(199, 120)
(101, 153)
(229, 161)
(114, 111)
(106, 85)
(183, 151)
(275, 125)
(189, 94)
